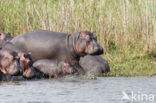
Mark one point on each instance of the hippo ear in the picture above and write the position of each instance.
(87, 37)
(82, 34)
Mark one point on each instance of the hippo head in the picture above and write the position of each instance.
(26, 65)
(9, 62)
(66, 68)
(87, 44)
(5, 36)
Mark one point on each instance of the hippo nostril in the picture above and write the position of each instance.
(101, 51)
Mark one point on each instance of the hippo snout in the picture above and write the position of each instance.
(15, 69)
(29, 72)
(98, 50)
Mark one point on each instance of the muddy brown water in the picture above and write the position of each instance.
(79, 90)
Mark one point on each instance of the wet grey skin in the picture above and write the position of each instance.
(53, 68)
(44, 44)
(94, 65)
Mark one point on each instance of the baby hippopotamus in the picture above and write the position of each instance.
(5, 36)
(53, 68)
(26, 65)
(9, 62)
(94, 65)
(24, 58)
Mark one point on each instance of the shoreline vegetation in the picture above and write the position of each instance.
(125, 28)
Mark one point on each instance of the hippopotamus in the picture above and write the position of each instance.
(26, 65)
(44, 44)
(5, 36)
(25, 60)
(52, 68)
(94, 65)
(9, 62)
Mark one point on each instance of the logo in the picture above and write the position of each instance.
(137, 96)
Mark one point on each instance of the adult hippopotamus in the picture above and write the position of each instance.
(44, 44)
(5, 36)
(52, 68)
(94, 65)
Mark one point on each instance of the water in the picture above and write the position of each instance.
(76, 90)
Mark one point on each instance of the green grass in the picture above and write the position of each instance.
(131, 63)
(125, 28)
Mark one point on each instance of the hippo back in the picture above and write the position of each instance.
(94, 64)
(48, 67)
(42, 44)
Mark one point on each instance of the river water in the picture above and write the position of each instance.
(79, 90)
